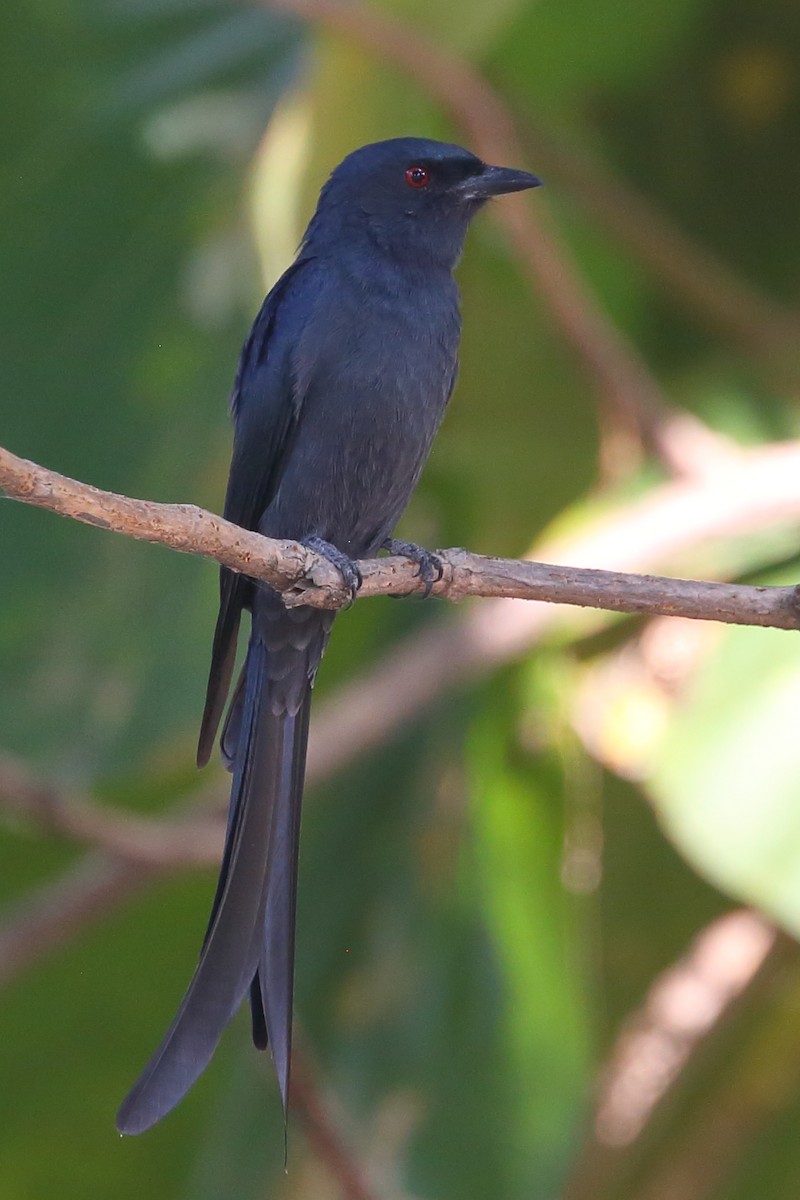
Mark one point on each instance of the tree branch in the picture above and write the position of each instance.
(747, 493)
(304, 577)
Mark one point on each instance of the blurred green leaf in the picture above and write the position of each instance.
(727, 775)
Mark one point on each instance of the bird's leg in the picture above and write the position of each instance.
(346, 567)
(431, 567)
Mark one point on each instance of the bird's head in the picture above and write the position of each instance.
(411, 197)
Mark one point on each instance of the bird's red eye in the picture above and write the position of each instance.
(418, 177)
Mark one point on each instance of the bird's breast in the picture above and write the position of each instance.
(375, 380)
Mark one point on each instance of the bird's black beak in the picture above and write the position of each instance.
(496, 181)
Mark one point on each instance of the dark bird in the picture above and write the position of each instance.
(341, 386)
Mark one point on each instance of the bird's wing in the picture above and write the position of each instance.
(265, 408)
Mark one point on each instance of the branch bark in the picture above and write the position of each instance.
(750, 492)
(305, 577)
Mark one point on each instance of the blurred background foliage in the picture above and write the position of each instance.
(522, 972)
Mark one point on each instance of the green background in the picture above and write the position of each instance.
(489, 895)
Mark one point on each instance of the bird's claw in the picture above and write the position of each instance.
(347, 568)
(431, 567)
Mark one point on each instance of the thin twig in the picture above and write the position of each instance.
(757, 491)
(306, 578)
(762, 488)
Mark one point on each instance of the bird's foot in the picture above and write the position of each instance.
(347, 568)
(431, 567)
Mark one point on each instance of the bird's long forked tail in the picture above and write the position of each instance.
(249, 945)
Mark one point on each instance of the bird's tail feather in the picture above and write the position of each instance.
(274, 979)
(248, 936)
